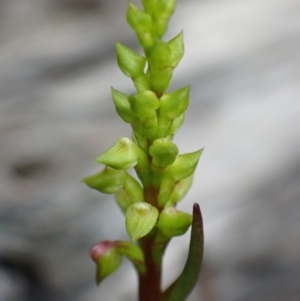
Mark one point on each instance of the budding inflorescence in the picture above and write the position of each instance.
(154, 115)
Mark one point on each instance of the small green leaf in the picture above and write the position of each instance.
(140, 219)
(163, 151)
(181, 288)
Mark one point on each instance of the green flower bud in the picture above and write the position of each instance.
(133, 253)
(141, 82)
(122, 105)
(160, 80)
(141, 23)
(177, 49)
(123, 155)
(140, 219)
(164, 126)
(140, 140)
(150, 6)
(107, 259)
(174, 104)
(144, 106)
(109, 180)
(163, 151)
(159, 56)
(161, 15)
(131, 63)
(183, 167)
(164, 9)
(131, 192)
(173, 222)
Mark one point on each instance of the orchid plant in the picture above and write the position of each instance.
(149, 200)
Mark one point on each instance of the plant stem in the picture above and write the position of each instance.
(149, 282)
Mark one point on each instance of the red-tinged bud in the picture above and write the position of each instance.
(106, 257)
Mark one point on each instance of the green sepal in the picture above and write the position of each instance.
(176, 124)
(133, 253)
(175, 103)
(131, 63)
(122, 105)
(159, 55)
(180, 190)
(140, 219)
(141, 82)
(130, 193)
(123, 200)
(173, 222)
(163, 152)
(141, 23)
(140, 140)
(124, 154)
(133, 188)
(183, 167)
(109, 180)
(107, 259)
(177, 49)
(183, 285)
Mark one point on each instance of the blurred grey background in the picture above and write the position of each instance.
(57, 63)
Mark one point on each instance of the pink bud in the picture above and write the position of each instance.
(98, 250)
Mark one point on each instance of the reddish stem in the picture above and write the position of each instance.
(149, 282)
